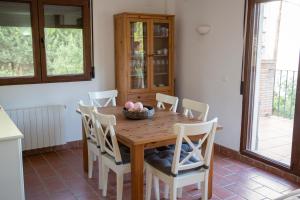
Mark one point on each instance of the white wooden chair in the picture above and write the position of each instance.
(173, 101)
(186, 168)
(115, 157)
(97, 99)
(190, 106)
(93, 140)
(163, 98)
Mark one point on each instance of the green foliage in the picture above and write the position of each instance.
(16, 55)
(285, 95)
(139, 35)
(64, 51)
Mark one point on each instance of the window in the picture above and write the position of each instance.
(44, 41)
(271, 97)
(17, 59)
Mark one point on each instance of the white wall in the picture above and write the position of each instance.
(209, 67)
(70, 93)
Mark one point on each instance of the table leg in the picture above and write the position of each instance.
(137, 172)
(84, 150)
(211, 173)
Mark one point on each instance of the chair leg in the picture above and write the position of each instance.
(156, 187)
(166, 191)
(148, 184)
(119, 186)
(204, 195)
(100, 172)
(90, 163)
(105, 171)
(173, 191)
(179, 192)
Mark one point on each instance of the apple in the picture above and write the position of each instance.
(138, 106)
(131, 110)
(129, 105)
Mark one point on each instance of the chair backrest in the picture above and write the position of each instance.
(163, 98)
(110, 96)
(194, 159)
(88, 122)
(190, 106)
(104, 125)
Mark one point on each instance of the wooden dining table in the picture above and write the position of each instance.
(139, 135)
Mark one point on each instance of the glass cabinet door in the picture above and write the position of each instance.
(161, 54)
(138, 55)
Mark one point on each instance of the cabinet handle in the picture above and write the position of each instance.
(138, 97)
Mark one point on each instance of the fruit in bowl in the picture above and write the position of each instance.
(129, 105)
(138, 107)
(137, 110)
(135, 107)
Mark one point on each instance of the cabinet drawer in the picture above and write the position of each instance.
(142, 97)
(146, 99)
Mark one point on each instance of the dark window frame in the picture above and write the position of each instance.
(248, 88)
(39, 52)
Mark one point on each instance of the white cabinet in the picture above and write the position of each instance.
(11, 164)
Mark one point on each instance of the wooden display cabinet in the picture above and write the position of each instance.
(144, 56)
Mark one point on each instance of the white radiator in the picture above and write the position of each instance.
(42, 126)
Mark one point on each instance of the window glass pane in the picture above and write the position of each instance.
(16, 54)
(63, 40)
(161, 55)
(138, 61)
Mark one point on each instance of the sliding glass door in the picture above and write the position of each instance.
(271, 76)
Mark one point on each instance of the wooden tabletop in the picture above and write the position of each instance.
(136, 132)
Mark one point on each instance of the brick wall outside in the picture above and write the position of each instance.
(267, 75)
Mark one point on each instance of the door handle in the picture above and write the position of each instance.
(43, 42)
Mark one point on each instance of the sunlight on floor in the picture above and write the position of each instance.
(275, 138)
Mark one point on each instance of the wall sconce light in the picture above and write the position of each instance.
(203, 29)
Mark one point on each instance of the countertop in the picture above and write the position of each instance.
(8, 130)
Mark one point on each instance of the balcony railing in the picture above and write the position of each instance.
(284, 93)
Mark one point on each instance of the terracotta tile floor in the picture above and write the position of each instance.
(275, 135)
(59, 176)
